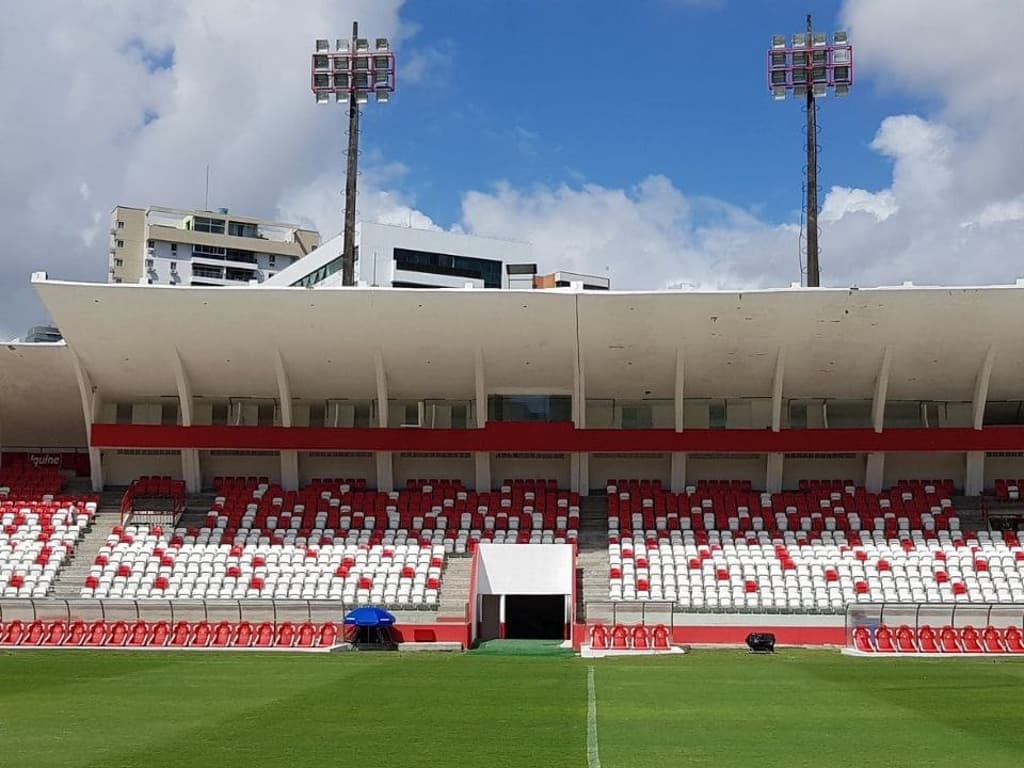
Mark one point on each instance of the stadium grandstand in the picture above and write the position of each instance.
(626, 472)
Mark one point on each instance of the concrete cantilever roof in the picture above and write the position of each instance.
(333, 343)
(40, 404)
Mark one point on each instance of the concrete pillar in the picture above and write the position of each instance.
(677, 473)
(974, 479)
(579, 473)
(773, 473)
(290, 470)
(96, 469)
(191, 471)
(483, 471)
(874, 472)
(385, 471)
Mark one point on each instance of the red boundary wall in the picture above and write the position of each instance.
(557, 437)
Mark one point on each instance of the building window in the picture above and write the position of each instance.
(118, 262)
(174, 247)
(120, 225)
(529, 408)
(117, 279)
(242, 229)
(205, 224)
(174, 266)
(151, 243)
(271, 261)
(120, 243)
(429, 262)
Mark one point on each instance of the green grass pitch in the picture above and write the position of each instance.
(709, 708)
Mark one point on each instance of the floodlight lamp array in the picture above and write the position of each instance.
(810, 62)
(352, 73)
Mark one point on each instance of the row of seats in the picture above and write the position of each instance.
(822, 507)
(522, 507)
(164, 634)
(790, 572)
(157, 487)
(947, 639)
(1008, 490)
(637, 638)
(143, 562)
(23, 481)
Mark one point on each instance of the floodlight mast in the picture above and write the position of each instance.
(809, 68)
(350, 73)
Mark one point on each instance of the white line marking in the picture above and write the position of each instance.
(593, 757)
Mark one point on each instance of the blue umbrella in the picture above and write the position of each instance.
(368, 616)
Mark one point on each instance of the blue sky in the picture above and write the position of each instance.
(565, 91)
(634, 139)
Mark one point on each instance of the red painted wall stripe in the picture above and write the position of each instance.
(558, 438)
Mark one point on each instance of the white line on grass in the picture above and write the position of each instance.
(593, 758)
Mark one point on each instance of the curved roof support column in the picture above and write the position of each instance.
(780, 371)
(284, 390)
(579, 390)
(90, 412)
(881, 391)
(382, 389)
(677, 395)
(191, 468)
(480, 388)
(184, 385)
(981, 387)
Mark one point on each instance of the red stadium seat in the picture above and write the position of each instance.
(639, 637)
(992, 640)
(1013, 638)
(285, 636)
(620, 637)
(201, 635)
(264, 635)
(926, 640)
(949, 640)
(34, 634)
(306, 636)
(223, 633)
(328, 635)
(906, 642)
(884, 639)
(160, 635)
(97, 635)
(76, 634)
(969, 640)
(598, 637)
(243, 635)
(661, 638)
(181, 635)
(139, 635)
(55, 634)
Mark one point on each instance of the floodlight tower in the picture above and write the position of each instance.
(809, 68)
(350, 73)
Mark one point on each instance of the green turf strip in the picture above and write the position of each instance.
(727, 708)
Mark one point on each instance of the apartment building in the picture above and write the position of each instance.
(170, 246)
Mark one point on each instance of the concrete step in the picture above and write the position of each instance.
(71, 578)
(455, 579)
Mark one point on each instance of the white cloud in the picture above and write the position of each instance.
(107, 102)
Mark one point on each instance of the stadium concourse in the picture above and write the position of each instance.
(631, 472)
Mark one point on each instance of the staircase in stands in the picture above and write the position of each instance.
(71, 578)
(592, 556)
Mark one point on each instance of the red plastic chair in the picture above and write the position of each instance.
(884, 639)
(139, 635)
(264, 635)
(660, 637)
(620, 637)
(949, 640)
(201, 635)
(34, 634)
(969, 640)
(1014, 640)
(328, 635)
(118, 636)
(76, 634)
(862, 640)
(222, 635)
(243, 636)
(306, 636)
(906, 642)
(285, 636)
(598, 637)
(992, 641)
(160, 635)
(97, 634)
(926, 640)
(640, 638)
(55, 633)
(181, 634)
